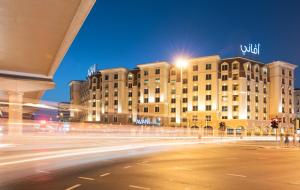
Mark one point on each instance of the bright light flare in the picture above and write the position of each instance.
(181, 62)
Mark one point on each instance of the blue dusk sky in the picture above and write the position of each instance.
(124, 33)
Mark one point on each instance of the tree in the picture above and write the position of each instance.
(222, 127)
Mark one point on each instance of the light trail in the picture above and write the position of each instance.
(94, 151)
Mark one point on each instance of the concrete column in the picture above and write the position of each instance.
(15, 113)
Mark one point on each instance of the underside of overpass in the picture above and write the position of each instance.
(35, 35)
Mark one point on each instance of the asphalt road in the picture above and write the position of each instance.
(241, 165)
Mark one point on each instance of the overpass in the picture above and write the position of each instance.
(35, 35)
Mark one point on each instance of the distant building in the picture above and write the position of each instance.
(297, 102)
(241, 92)
(63, 114)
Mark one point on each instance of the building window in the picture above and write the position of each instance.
(115, 85)
(173, 100)
(184, 90)
(235, 117)
(248, 88)
(224, 67)
(208, 66)
(283, 72)
(248, 77)
(195, 108)
(248, 108)
(184, 100)
(115, 119)
(235, 77)
(224, 98)
(129, 102)
(235, 87)
(106, 77)
(184, 81)
(184, 109)
(129, 94)
(195, 78)
(157, 99)
(116, 76)
(235, 98)
(94, 104)
(146, 91)
(195, 98)
(208, 107)
(157, 80)
(256, 89)
(145, 109)
(208, 87)
(208, 117)
(208, 97)
(173, 110)
(115, 93)
(208, 77)
(224, 117)
(224, 77)
(235, 66)
(173, 119)
(235, 108)
(256, 99)
(156, 108)
(224, 88)
(115, 102)
(157, 71)
(195, 88)
(146, 73)
(195, 67)
(146, 100)
(224, 108)
(157, 90)
(173, 72)
(173, 91)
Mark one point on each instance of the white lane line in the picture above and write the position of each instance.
(86, 178)
(237, 175)
(73, 187)
(126, 167)
(106, 174)
(139, 187)
(45, 172)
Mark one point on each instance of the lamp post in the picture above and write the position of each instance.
(181, 63)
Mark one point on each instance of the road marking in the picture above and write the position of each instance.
(139, 187)
(86, 178)
(45, 172)
(237, 175)
(73, 187)
(103, 175)
(126, 167)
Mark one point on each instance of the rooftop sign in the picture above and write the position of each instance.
(252, 48)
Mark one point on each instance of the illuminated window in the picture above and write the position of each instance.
(208, 66)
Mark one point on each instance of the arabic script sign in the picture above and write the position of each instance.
(92, 70)
(143, 122)
(252, 48)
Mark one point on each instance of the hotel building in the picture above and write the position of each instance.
(241, 92)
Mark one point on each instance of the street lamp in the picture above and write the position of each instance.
(181, 62)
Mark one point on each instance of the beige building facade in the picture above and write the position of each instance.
(241, 92)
